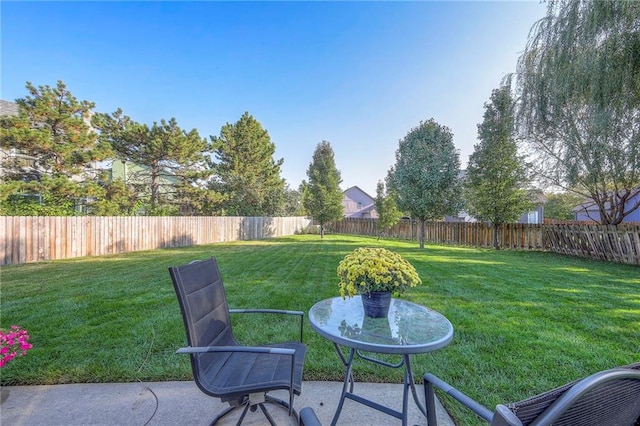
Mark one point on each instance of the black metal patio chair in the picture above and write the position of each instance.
(240, 375)
(610, 398)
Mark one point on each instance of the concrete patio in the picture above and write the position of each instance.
(171, 403)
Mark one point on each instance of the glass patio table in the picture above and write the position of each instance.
(408, 329)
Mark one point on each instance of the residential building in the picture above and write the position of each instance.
(358, 203)
(589, 211)
(139, 176)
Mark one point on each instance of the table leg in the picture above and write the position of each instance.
(348, 381)
(408, 379)
(408, 384)
(405, 395)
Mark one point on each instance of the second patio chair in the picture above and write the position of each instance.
(239, 375)
(610, 397)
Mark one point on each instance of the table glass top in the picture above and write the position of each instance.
(409, 328)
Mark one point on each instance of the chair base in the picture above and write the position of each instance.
(246, 405)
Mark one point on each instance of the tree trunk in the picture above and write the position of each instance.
(321, 231)
(496, 244)
(155, 188)
(422, 231)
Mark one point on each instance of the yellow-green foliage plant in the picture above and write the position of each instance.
(375, 269)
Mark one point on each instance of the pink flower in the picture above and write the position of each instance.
(13, 343)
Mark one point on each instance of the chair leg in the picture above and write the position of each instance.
(283, 404)
(430, 400)
(267, 415)
(244, 413)
(246, 405)
(223, 413)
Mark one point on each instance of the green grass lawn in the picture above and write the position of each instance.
(524, 321)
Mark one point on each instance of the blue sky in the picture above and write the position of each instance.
(360, 75)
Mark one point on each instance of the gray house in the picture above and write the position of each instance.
(588, 210)
(358, 203)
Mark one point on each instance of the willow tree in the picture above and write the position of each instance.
(579, 102)
(424, 178)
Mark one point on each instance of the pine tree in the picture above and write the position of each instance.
(168, 164)
(246, 172)
(53, 153)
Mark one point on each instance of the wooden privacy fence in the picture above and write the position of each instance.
(37, 238)
(514, 235)
(613, 243)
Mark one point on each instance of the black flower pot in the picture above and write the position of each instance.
(376, 303)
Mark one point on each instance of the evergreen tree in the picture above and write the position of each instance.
(495, 185)
(52, 154)
(119, 200)
(168, 165)
(246, 172)
(292, 203)
(425, 176)
(388, 213)
(321, 195)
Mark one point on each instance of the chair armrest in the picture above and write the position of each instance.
(308, 417)
(430, 380)
(250, 349)
(265, 311)
(272, 311)
(505, 417)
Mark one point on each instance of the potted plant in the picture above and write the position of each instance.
(376, 274)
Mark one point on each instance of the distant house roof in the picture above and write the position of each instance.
(368, 209)
(586, 205)
(356, 187)
(8, 108)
